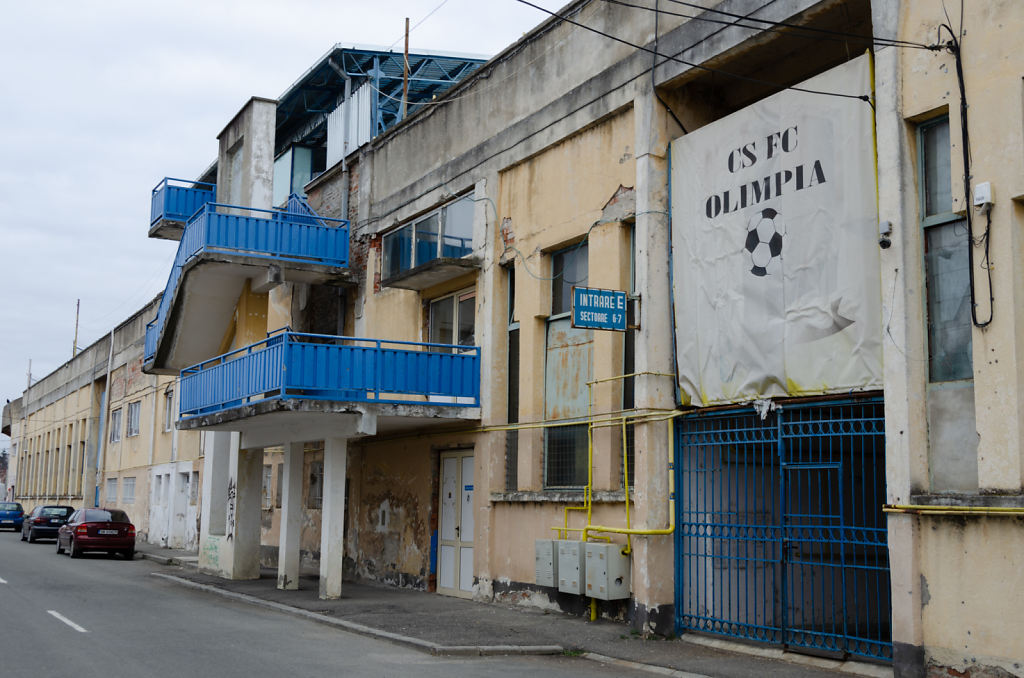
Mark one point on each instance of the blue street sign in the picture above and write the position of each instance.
(598, 309)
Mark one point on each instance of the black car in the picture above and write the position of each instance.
(44, 521)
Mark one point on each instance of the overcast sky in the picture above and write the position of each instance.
(103, 99)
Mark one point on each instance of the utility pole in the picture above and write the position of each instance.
(74, 344)
(405, 71)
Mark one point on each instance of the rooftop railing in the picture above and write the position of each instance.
(296, 235)
(179, 199)
(292, 365)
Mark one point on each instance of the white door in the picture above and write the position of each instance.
(455, 543)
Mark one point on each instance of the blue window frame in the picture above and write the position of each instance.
(446, 232)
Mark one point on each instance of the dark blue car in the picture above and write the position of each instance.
(11, 515)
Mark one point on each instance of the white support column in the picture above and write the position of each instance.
(288, 556)
(213, 515)
(332, 544)
(244, 520)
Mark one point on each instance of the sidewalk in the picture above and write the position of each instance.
(443, 625)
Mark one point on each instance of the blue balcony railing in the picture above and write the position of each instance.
(297, 234)
(320, 367)
(178, 199)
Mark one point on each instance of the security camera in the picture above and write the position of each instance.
(884, 231)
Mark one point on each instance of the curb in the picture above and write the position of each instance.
(637, 666)
(433, 648)
(163, 560)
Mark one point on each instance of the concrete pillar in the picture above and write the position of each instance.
(332, 529)
(229, 537)
(906, 432)
(653, 596)
(288, 554)
(244, 517)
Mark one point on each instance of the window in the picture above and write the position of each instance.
(169, 409)
(134, 409)
(568, 269)
(512, 437)
(446, 232)
(453, 319)
(568, 363)
(115, 425)
(315, 497)
(947, 275)
(128, 491)
(111, 495)
(268, 479)
(280, 482)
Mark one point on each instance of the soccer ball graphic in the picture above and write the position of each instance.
(764, 239)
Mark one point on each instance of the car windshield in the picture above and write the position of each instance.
(57, 511)
(9, 506)
(105, 516)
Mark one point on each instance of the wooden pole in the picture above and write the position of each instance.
(405, 71)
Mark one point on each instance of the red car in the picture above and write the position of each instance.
(97, 529)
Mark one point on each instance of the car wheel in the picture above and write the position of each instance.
(31, 536)
(73, 550)
(129, 554)
(60, 549)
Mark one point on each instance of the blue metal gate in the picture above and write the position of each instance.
(781, 536)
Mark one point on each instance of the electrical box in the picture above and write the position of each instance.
(546, 562)
(607, 571)
(571, 566)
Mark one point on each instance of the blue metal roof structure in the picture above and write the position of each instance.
(302, 110)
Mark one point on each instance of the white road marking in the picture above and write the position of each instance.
(67, 621)
(2, 580)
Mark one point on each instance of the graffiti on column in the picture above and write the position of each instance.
(231, 509)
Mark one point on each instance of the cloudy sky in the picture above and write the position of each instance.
(103, 99)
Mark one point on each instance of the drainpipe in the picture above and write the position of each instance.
(101, 453)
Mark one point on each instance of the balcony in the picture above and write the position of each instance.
(302, 382)
(173, 202)
(221, 248)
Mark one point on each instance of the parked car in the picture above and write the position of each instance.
(44, 521)
(11, 515)
(97, 529)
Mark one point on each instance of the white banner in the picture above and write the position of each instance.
(775, 246)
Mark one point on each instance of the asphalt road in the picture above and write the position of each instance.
(105, 617)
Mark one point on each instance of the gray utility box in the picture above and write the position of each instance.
(571, 566)
(546, 562)
(607, 571)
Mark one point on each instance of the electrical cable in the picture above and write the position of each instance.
(954, 48)
(709, 69)
(782, 29)
(888, 42)
(429, 14)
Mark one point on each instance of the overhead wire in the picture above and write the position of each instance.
(691, 64)
(809, 32)
(889, 42)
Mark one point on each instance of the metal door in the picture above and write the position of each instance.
(781, 537)
(455, 544)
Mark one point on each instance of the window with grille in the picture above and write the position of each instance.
(111, 494)
(568, 368)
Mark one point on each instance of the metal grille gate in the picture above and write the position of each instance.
(781, 536)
